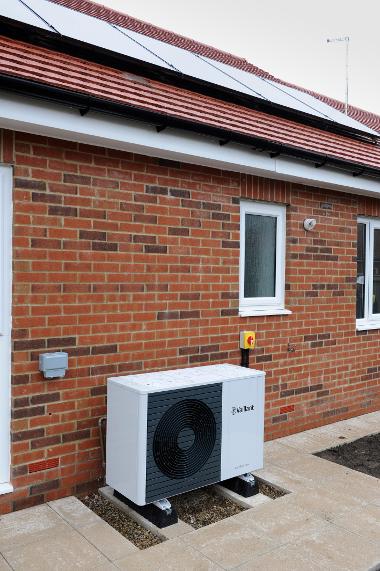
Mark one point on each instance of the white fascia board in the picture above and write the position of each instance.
(49, 119)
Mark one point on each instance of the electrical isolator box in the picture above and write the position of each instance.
(247, 339)
(53, 365)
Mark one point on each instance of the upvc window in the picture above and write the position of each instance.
(368, 274)
(262, 258)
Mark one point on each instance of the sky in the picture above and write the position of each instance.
(285, 37)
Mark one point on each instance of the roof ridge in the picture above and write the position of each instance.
(130, 22)
(102, 12)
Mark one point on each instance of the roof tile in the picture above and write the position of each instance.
(19, 59)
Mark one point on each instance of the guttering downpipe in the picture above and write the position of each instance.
(85, 103)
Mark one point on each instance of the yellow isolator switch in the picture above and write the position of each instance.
(247, 339)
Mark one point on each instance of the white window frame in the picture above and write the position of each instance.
(250, 306)
(370, 320)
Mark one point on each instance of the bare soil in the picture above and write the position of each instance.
(362, 455)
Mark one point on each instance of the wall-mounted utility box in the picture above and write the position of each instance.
(53, 365)
(247, 339)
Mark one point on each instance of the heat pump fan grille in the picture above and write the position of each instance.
(184, 439)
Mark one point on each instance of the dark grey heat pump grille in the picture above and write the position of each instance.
(183, 440)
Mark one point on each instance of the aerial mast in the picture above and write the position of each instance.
(345, 39)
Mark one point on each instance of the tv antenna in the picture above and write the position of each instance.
(345, 39)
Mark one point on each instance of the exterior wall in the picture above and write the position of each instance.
(131, 264)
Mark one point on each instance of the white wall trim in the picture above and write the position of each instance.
(45, 118)
(6, 488)
(5, 324)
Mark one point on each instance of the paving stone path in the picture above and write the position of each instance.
(329, 521)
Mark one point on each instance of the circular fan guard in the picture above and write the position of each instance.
(184, 438)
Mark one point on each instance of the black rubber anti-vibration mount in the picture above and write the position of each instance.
(241, 487)
(150, 512)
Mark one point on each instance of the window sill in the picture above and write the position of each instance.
(254, 312)
(6, 488)
(366, 325)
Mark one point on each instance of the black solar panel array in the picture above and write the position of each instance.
(81, 27)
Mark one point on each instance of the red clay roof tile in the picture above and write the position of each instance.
(19, 59)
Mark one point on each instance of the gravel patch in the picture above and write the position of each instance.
(203, 507)
(137, 534)
(198, 508)
(269, 490)
(362, 455)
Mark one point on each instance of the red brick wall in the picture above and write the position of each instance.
(131, 264)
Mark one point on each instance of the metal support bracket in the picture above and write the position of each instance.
(248, 478)
(164, 505)
(160, 513)
(244, 485)
(84, 110)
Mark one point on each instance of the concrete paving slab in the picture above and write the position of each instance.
(364, 521)
(329, 521)
(247, 503)
(229, 542)
(311, 467)
(171, 555)
(357, 485)
(324, 503)
(344, 431)
(300, 472)
(106, 567)
(63, 550)
(283, 478)
(274, 451)
(4, 565)
(308, 442)
(342, 548)
(29, 526)
(93, 528)
(109, 541)
(292, 558)
(74, 512)
(370, 423)
(327, 436)
(281, 521)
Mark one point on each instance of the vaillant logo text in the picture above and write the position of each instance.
(244, 408)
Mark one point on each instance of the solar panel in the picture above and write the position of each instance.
(332, 113)
(187, 62)
(241, 81)
(91, 30)
(18, 11)
(291, 97)
(266, 89)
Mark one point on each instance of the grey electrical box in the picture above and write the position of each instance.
(53, 365)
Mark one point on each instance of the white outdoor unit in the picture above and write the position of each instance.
(174, 431)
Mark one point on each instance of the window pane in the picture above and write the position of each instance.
(376, 272)
(260, 256)
(360, 271)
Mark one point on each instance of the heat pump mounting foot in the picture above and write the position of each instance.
(161, 513)
(244, 485)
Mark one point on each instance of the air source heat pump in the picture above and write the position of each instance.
(174, 431)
